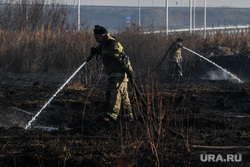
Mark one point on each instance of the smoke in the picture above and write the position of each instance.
(216, 75)
(14, 117)
(232, 76)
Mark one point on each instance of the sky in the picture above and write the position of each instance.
(160, 3)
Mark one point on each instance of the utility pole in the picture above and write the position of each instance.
(79, 12)
(190, 16)
(139, 4)
(167, 17)
(205, 17)
(194, 4)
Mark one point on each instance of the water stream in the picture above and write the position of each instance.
(229, 73)
(61, 88)
(47, 103)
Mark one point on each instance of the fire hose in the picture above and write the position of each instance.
(158, 64)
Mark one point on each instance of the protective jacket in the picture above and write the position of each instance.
(175, 59)
(117, 67)
(175, 53)
(115, 61)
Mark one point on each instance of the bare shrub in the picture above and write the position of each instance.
(233, 40)
(39, 44)
(33, 14)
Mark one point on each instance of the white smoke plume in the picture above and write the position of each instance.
(217, 75)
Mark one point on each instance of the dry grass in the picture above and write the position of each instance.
(40, 44)
(56, 51)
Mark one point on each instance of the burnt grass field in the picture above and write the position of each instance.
(202, 120)
(181, 119)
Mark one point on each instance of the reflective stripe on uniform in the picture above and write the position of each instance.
(120, 49)
(112, 115)
(129, 115)
(117, 75)
(127, 65)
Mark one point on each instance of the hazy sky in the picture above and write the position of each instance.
(172, 3)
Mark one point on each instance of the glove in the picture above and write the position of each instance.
(179, 45)
(174, 46)
(94, 51)
(89, 57)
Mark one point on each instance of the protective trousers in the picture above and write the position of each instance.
(175, 69)
(117, 94)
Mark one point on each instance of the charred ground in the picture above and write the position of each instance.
(203, 113)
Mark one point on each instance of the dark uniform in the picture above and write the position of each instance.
(118, 68)
(175, 59)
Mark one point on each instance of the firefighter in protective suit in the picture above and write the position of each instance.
(118, 69)
(175, 59)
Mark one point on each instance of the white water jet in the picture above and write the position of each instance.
(46, 104)
(229, 73)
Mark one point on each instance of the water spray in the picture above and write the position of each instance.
(46, 104)
(229, 73)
